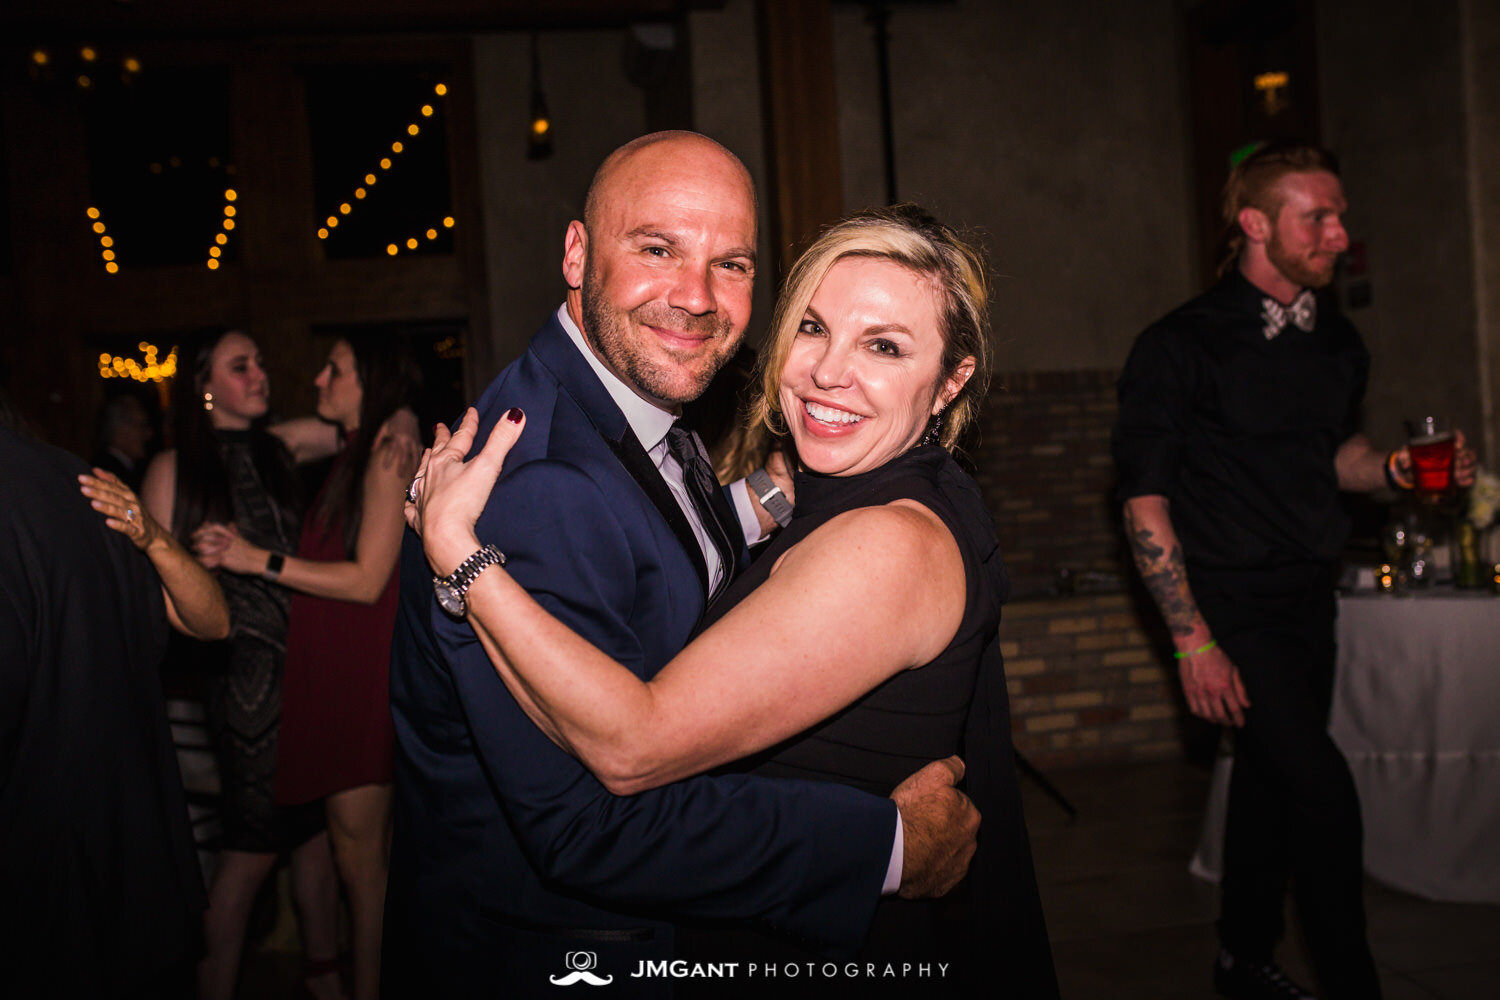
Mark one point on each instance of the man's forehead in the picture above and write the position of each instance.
(1303, 190)
(666, 208)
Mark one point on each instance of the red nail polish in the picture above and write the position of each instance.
(514, 414)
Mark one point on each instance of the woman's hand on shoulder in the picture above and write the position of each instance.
(397, 445)
(122, 509)
(402, 423)
(448, 493)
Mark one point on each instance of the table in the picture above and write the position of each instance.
(1416, 711)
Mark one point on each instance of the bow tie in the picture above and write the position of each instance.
(1301, 313)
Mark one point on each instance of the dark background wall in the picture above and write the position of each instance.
(1076, 139)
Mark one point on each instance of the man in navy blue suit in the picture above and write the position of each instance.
(513, 868)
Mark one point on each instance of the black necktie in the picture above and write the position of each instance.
(699, 479)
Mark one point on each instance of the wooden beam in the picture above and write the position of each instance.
(802, 123)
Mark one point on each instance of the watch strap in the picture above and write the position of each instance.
(770, 496)
(459, 581)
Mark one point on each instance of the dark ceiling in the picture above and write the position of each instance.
(28, 21)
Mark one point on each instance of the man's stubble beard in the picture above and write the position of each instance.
(1295, 270)
(607, 330)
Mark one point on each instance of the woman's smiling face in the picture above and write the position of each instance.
(861, 380)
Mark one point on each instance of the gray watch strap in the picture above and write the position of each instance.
(452, 589)
(770, 496)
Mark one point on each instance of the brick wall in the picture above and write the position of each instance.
(1088, 681)
(1042, 458)
(1089, 677)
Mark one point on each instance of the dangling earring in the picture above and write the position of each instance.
(934, 429)
(208, 402)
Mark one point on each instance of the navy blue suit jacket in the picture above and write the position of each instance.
(507, 853)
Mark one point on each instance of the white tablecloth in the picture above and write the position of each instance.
(1416, 710)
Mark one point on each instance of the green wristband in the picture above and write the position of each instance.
(1210, 644)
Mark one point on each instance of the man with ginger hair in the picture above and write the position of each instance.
(1237, 430)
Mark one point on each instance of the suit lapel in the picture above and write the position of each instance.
(644, 471)
(556, 351)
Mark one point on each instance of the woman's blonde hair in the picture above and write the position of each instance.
(908, 236)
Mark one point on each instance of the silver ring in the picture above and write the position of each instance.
(130, 515)
(411, 491)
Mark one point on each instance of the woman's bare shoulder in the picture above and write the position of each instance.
(903, 535)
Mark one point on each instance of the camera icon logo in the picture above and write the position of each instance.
(581, 965)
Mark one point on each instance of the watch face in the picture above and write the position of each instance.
(449, 598)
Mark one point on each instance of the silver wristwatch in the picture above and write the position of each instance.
(450, 590)
(770, 496)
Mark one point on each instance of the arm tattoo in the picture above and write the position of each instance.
(1165, 576)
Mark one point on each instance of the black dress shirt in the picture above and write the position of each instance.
(1238, 431)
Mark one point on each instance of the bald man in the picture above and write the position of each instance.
(513, 870)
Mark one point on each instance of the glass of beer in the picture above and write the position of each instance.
(1431, 447)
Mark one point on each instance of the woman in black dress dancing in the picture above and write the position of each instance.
(226, 467)
(861, 644)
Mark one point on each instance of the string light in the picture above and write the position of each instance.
(386, 163)
(148, 369)
(221, 238)
(412, 242)
(111, 266)
(539, 135)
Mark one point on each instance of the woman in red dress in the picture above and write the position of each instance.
(336, 734)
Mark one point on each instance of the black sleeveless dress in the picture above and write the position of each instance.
(242, 674)
(989, 932)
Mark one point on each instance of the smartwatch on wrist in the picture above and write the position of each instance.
(770, 496)
(274, 562)
(450, 589)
